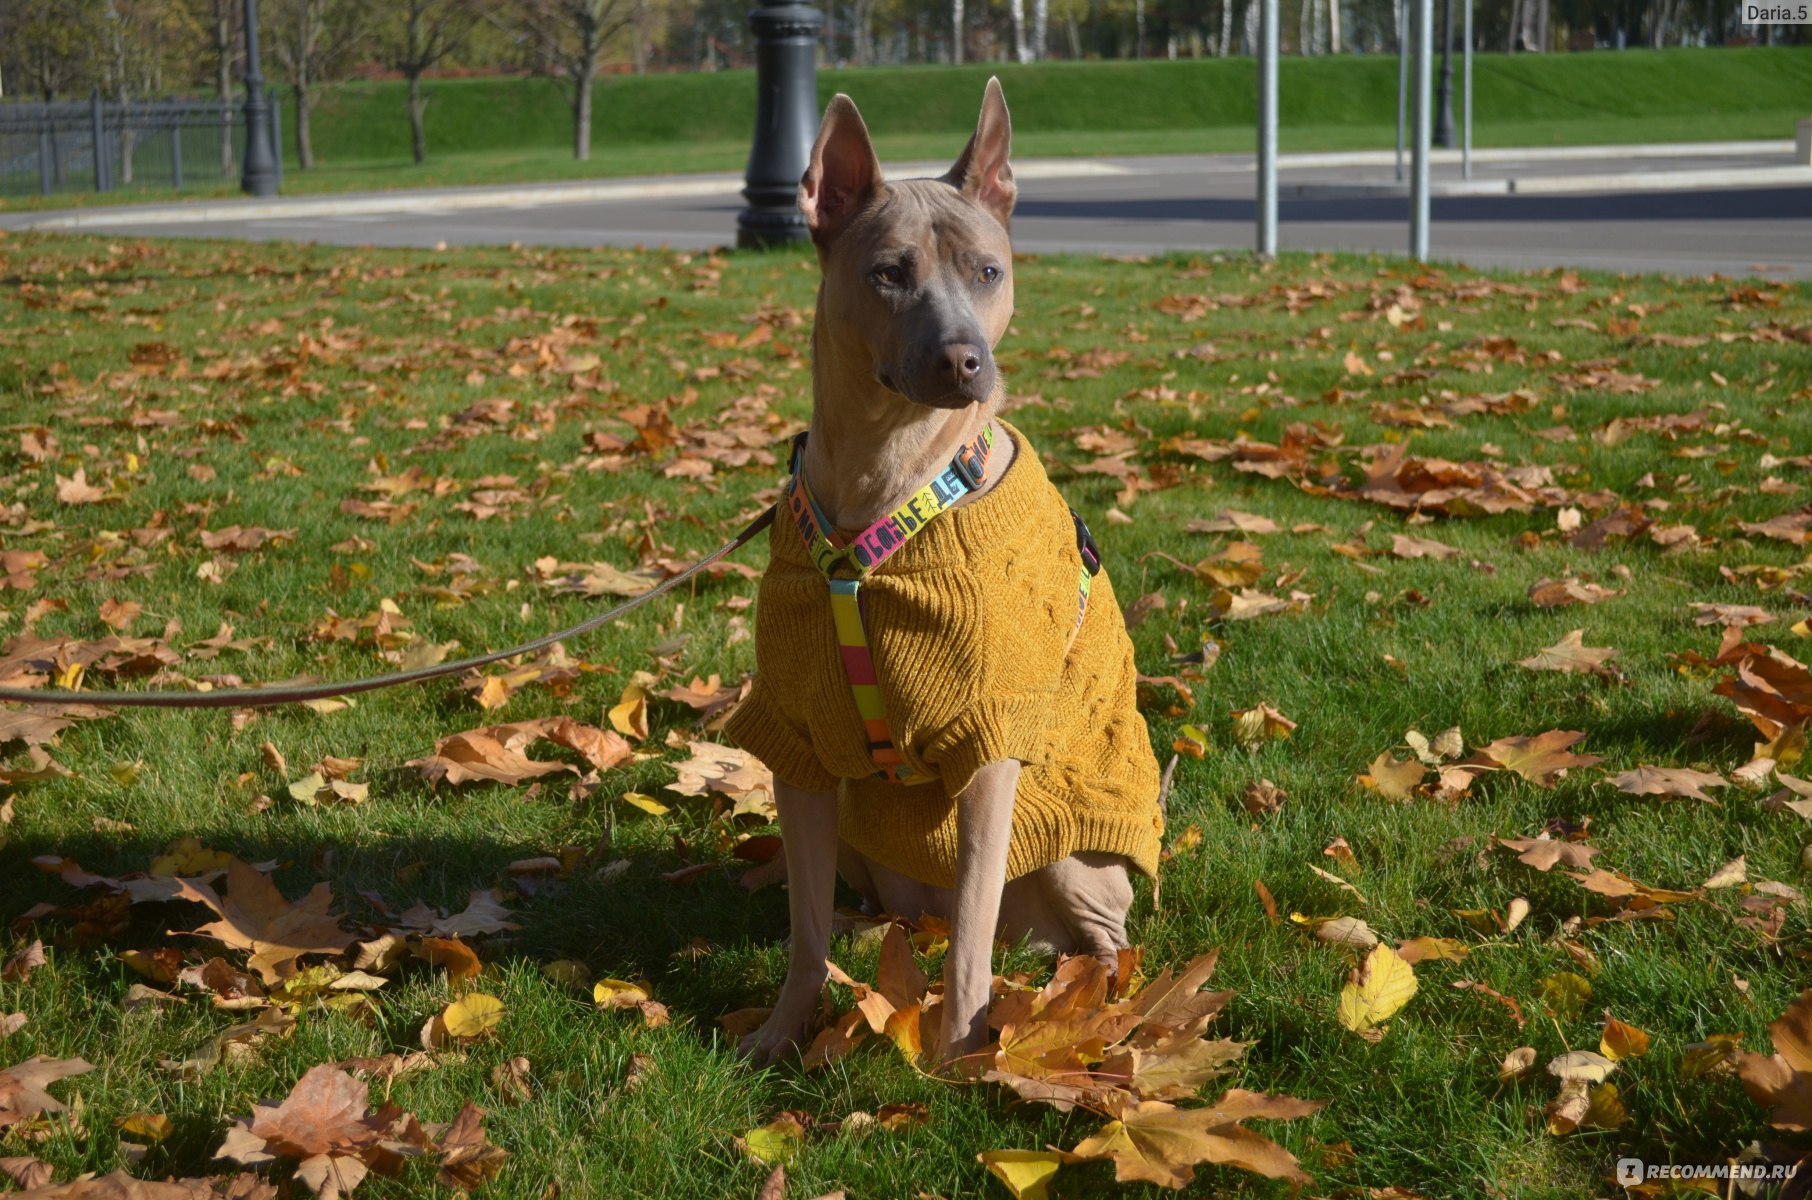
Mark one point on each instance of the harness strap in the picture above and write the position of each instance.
(873, 546)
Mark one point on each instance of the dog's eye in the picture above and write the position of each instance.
(990, 274)
(891, 274)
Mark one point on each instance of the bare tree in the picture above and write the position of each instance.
(956, 31)
(1021, 52)
(419, 34)
(1041, 24)
(569, 35)
(314, 41)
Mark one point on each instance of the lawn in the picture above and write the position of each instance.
(224, 462)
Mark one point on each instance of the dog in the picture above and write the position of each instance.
(945, 690)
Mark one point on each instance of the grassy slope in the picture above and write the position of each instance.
(429, 332)
(364, 121)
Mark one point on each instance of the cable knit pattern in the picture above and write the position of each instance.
(969, 624)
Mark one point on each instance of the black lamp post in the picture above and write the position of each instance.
(786, 121)
(1443, 131)
(260, 175)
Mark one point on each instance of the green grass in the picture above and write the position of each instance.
(489, 131)
(297, 373)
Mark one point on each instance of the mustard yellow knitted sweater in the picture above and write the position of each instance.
(968, 624)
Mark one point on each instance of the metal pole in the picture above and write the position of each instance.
(1267, 128)
(1402, 77)
(1466, 115)
(100, 140)
(176, 154)
(786, 122)
(1443, 134)
(259, 177)
(1418, 182)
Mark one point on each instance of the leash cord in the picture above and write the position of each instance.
(266, 697)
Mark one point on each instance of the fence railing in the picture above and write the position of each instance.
(98, 145)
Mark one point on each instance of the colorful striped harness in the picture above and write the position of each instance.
(845, 566)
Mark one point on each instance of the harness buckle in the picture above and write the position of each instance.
(966, 470)
(798, 451)
(1085, 544)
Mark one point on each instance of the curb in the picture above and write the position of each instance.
(1709, 179)
(431, 202)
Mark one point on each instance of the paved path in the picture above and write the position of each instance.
(1734, 209)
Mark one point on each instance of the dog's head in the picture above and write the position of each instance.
(918, 275)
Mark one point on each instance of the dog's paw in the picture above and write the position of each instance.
(780, 1036)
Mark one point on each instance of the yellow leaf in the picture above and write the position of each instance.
(1621, 1041)
(146, 1127)
(1381, 986)
(566, 972)
(126, 773)
(1027, 1173)
(777, 1141)
(1565, 994)
(187, 856)
(629, 716)
(473, 1015)
(647, 804)
(618, 993)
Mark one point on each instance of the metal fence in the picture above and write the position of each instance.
(96, 145)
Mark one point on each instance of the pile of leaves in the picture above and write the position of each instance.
(1090, 1039)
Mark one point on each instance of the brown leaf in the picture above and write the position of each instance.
(1783, 1081)
(1156, 1142)
(20, 964)
(1571, 653)
(254, 916)
(1551, 593)
(22, 1094)
(1667, 781)
(1540, 759)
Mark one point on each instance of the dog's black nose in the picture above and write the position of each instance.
(962, 363)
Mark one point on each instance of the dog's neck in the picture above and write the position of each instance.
(870, 448)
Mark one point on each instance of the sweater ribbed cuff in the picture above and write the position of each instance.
(757, 727)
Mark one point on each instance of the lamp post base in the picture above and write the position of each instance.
(760, 228)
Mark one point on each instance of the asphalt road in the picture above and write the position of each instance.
(1144, 205)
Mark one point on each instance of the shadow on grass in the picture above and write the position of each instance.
(704, 942)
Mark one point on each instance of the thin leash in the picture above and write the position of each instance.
(267, 697)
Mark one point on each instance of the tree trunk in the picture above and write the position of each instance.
(305, 143)
(1226, 27)
(418, 107)
(1041, 24)
(1516, 24)
(1017, 10)
(582, 111)
(223, 80)
(956, 31)
(1333, 26)
(1139, 19)
(1075, 33)
(1541, 26)
(1305, 29)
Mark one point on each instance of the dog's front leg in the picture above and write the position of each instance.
(808, 825)
(984, 828)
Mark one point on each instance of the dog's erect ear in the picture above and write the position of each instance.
(844, 173)
(981, 171)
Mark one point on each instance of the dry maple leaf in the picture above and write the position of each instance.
(730, 772)
(496, 752)
(325, 1122)
(1667, 781)
(22, 1094)
(1541, 759)
(1783, 1081)
(1544, 851)
(1155, 1142)
(1391, 779)
(1551, 593)
(1571, 653)
(255, 916)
